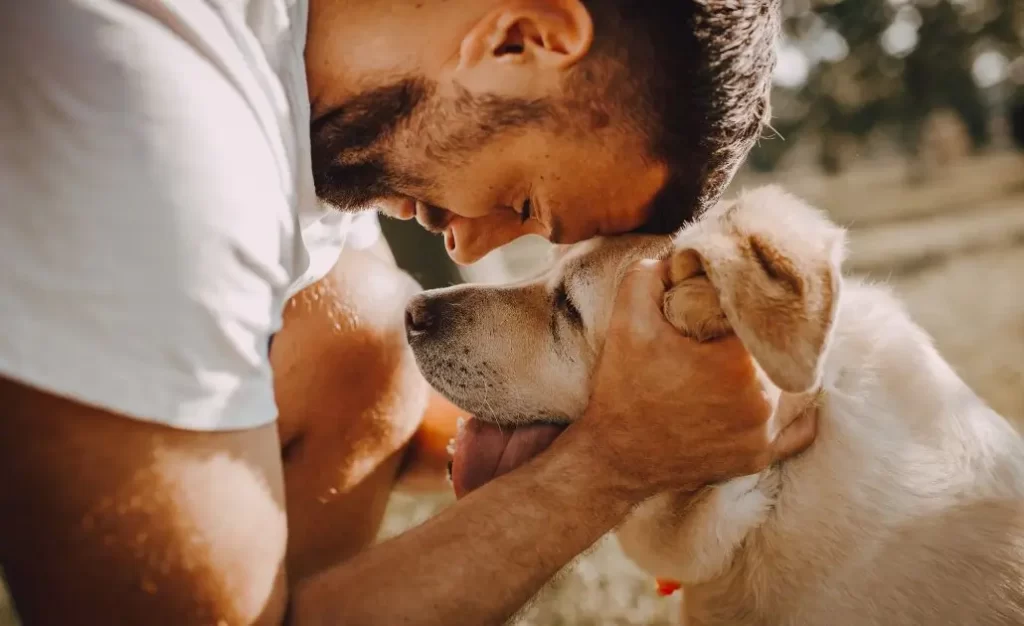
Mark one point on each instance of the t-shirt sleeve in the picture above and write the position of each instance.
(145, 234)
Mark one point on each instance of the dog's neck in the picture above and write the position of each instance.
(711, 524)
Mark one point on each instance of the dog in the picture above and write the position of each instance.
(907, 509)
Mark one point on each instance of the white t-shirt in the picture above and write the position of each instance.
(156, 202)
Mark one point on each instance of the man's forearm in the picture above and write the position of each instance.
(479, 561)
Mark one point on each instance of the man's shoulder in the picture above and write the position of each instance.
(277, 27)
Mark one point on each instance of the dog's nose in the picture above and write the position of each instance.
(422, 315)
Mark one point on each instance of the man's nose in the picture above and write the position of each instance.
(470, 239)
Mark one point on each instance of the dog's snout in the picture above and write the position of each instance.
(419, 316)
(423, 315)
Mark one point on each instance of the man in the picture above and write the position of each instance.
(157, 177)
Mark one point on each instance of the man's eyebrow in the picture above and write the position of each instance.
(366, 119)
(317, 124)
(341, 132)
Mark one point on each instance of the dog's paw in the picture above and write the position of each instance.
(767, 267)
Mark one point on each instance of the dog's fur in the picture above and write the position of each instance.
(906, 510)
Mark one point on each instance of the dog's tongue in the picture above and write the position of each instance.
(484, 451)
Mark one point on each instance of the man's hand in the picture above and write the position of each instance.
(668, 412)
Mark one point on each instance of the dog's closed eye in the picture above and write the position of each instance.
(564, 304)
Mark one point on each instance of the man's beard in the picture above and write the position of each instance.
(352, 187)
(348, 145)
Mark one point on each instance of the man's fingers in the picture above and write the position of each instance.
(797, 436)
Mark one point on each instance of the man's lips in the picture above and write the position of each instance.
(484, 451)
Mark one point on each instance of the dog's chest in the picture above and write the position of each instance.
(693, 539)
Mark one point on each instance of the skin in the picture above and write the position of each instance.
(350, 400)
(138, 523)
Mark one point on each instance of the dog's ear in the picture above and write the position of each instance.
(767, 266)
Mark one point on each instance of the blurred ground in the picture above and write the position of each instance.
(954, 251)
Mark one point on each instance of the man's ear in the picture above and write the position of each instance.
(774, 264)
(518, 35)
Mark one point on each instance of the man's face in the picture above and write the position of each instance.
(457, 112)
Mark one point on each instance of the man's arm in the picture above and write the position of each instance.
(127, 522)
(480, 560)
(118, 521)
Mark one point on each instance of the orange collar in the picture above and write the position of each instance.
(667, 586)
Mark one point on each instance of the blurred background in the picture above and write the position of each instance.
(904, 119)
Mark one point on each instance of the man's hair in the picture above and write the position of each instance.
(694, 77)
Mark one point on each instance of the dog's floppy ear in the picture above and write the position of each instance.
(772, 264)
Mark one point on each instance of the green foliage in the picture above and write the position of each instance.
(885, 65)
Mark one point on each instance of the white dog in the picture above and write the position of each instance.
(907, 510)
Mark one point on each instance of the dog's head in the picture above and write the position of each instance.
(765, 266)
(524, 352)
